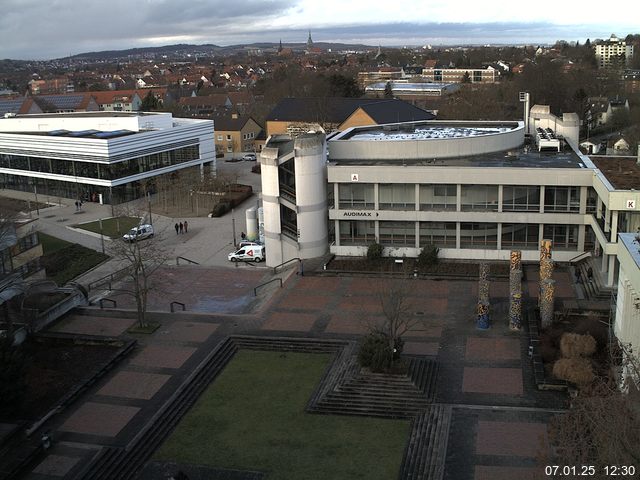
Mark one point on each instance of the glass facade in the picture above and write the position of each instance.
(440, 234)
(564, 237)
(479, 235)
(479, 198)
(561, 199)
(397, 196)
(520, 198)
(357, 233)
(520, 235)
(356, 196)
(398, 234)
(101, 171)
(438, 197)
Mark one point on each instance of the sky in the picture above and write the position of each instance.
(36, 29)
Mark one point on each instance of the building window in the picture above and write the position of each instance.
(229, 148)
(289, 222)
(397, 196)
(520, 235)
(520, 199)
(357, 232)
(438, 197)
(356, 195)
(561, 199)
(398, 234)
(219, 138)
(564, 237)
(479, 198)
(440, 234)
(479, 235)
(228, 138)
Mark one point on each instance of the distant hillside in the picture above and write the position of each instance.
(206, 49)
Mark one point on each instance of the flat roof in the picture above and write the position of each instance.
(623, 173)
(527, 156)
(426, 131)
(98, 134)
(101, 113)
(632, 245)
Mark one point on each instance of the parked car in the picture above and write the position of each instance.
(138, 233)
(250, 253)
(250, 157)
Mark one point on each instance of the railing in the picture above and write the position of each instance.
(172, 304)
(255, 290)
(275, 269)
(185, 259)
(102, 300)
(579, 257)
(108, 279)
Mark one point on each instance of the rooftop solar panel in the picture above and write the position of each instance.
(112, 134)
(83, 133)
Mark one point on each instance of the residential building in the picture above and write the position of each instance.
(383, 74)
(235, 134)
(119, 100)
(110, 157)
(201, 106)
(73, 102)
(411, 91)
(613, 52)
(295, 116)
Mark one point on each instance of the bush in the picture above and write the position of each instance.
(375, 352)
(374, 252)
(428, 256)
(12, 376)
(573, 345)
(575, 370)
(220, 209)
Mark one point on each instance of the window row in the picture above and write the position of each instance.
(400, 196)
(101, 171)
(444, 234)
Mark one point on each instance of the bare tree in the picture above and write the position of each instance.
(141, 259)
(602, 427)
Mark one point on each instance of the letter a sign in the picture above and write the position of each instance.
(354, 177)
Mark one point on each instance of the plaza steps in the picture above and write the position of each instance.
(356, 392)
(595, 290)
(425, 454)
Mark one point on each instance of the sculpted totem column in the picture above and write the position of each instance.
(515, 290)
(482, 321)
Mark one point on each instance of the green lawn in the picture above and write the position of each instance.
(252, 418)
(111, 227)
(64, 261)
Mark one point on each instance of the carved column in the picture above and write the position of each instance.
(515, 290)
(482, 321)
(546, 302)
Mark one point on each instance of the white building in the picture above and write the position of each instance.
(607, 51)
(110, 157)
(477, 190)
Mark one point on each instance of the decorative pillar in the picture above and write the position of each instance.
(515, 290)
(546, 265)
(482, 321)
(546, 302)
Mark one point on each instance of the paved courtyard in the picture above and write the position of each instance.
(499, 422)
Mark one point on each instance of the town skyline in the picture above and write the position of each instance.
(63, 32)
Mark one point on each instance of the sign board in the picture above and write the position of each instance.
(358, 213)
(354, 177)
(631, 205)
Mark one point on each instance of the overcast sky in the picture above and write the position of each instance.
(37, 29)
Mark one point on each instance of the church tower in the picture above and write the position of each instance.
(309, 42)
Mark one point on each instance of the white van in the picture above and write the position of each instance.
(138, 233)
(250, 253)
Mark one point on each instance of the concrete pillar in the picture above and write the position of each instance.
(598, 208)
(614, 226)
(541, 201)
(376, 197)
(336, 228)
(607, 221)
(458, 198)
(547, 302)
(612, 270)
(500, 198)
(417, 197)
(336, 196)
(583, 200)
(417, 232)
(499, 237)
(604, 262)
(581, 237)
(458, 235)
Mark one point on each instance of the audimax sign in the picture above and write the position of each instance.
(355, 213)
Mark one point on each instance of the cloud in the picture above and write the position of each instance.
(57, 28)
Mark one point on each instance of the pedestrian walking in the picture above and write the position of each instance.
(181, 227)
(177, 227)
(578, 275)
(186, 226)
(590, 274)
(243, 236)
(77, 205)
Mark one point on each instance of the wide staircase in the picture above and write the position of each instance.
(596, 289)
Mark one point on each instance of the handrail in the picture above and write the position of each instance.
(284, 263)
(113, 302)
(106, 279)
(177, 303)
(255, 290)
(585, 254)
(183, 258)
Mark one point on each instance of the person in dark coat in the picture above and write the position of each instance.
(181, 227)
(186, 225)
(590, 274)
(177, 227)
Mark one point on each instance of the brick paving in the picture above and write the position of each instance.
(513, 439)
(162, 356)
(485, 472)
(134, 385)
(497, 381)
(56, 465)
(499, 348)
(475, 368)
(99, 419)
(88, 325)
